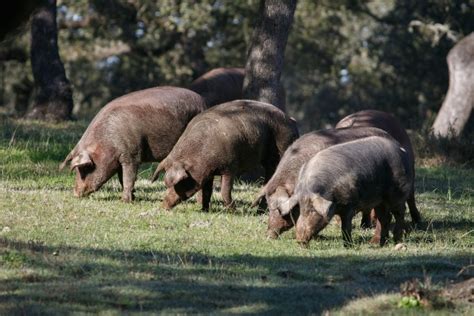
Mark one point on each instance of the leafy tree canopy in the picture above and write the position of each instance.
(342, 55)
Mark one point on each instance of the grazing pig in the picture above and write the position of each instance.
(372, 172)
(282, 184)
(138, 127)
(391, 125)
(222, 85)
(225, 140)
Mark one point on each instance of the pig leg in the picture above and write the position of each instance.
(227, 181)
(399, 214)
(270, 164)
(120, 176)
(366, 222)
(206, 193)
(414, 213)
(129, 175)
(346, 227)
(383, 224)
(199, 197)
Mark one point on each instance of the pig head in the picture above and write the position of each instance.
(179, 181)
(316, 212)
(93, 168)
(278, 200)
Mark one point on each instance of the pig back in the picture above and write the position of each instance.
(219, 85)
(145, 124)
(237, 133)
(308, 145)
(382, 120)
(365, 170)
(222, 85)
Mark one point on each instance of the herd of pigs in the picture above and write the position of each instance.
(366, 163)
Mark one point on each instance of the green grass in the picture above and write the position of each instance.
(60, 254)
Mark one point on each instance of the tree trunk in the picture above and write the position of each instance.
(458, 104)
(266, 54)
(53, 99)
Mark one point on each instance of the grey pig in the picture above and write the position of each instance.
(372, 172)
(282, 184)
(391, 125)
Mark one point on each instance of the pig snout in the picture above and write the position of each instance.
(278, 224)
(309, 225)
(304, 232)
(82, 190)
(171, 199)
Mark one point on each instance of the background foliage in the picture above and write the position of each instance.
(341, 56)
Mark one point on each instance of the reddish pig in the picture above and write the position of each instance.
(138, 127)
(391, 125)
(225, 140)
(282, 184)
(222, 85)
(371, 172)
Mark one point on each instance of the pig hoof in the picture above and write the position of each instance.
(127, 198)
(304, 244)
(230, 206)
(400, 246)
(166, 206)
(375, 240)
(271, 234)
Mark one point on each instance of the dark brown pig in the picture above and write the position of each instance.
(222, 85)
(137, 127)
(391, 125)
(372, 172)
(225, 140)
(282, 184)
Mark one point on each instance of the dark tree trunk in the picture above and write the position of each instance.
(53, 99)
(458, 104)
(267, 51)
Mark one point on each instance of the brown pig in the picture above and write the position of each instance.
(391, 125)
(222, 85)
(225, 140)
(138, 127)
(371, 172)
(282, 184)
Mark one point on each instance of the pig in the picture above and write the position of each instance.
(391, 125)
(138, 127)
(222, 85)
(282, 184)
(225, 140)
(371, 172)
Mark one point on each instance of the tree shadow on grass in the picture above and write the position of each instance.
(68, 279)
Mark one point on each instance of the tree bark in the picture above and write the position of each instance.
(457, 106)
(53, 99)
(267, 51)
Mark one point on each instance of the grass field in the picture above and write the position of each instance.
(60, 254)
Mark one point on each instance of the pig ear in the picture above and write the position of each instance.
(81, 160)
(174, 175)
(324, 207)
(286, 207)
(159, 169)
(64, 163)
(258, 199)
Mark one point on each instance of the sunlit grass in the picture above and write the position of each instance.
(60, 254)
